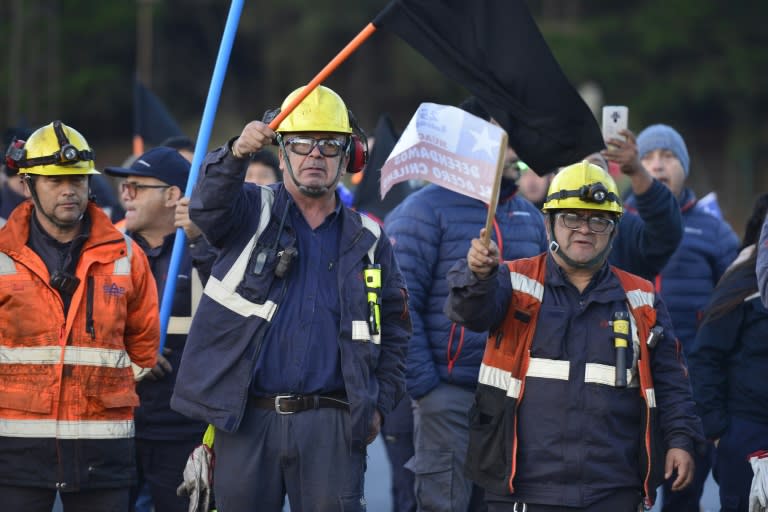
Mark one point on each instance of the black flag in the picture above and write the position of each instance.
(494, 49)
(151, 120)
(367, 195)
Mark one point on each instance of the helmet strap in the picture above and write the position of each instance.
(30, 180)
(554, 247)
(314, 192)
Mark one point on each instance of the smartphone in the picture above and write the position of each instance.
(615, 119)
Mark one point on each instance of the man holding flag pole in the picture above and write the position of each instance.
(297, 351)
(431, 230)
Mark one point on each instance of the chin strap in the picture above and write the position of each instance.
(310, 191)
(554, 247)
(31, 185)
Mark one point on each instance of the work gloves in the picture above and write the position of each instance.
(198, 479)
(758, 494)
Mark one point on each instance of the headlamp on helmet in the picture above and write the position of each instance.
(583, 186)
(54, 149)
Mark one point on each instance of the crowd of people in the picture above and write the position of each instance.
(590, 348)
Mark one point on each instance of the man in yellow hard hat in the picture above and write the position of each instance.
(582, 402)
(297, 350)
(80, 325)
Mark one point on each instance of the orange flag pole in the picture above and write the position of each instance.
(325, 72)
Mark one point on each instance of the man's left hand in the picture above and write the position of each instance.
(162, 368)
(680, 460)
(375, 427)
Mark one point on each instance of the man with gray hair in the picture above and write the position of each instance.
(709, 245)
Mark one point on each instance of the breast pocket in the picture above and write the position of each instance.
(551, 333)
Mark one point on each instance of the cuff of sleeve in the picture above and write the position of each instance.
(684, 443)
(139, 372)
(231, 147)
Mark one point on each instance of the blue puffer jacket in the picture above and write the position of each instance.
(239, 303)
(709, 245)
(430, 231)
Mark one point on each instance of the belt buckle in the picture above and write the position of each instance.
(277, 404)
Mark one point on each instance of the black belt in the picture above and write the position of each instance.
(289, 404)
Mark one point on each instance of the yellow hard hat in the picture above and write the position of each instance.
(321, 111)
(54, 150)
(583, 186)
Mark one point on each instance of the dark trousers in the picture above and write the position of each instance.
(731, 468)
(34, 499)
(305, 455)
(161, 464)
(688, 499)
(397, 433)
(621, 501)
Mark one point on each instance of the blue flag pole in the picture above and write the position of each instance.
(201, 148)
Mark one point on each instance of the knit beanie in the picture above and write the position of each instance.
(661, 136)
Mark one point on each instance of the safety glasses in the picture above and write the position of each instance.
(305, 145)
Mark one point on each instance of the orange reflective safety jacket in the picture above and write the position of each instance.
(493, 446)
(73, 378)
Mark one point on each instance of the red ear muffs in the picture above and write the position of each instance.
(358, 155)
(14, 154)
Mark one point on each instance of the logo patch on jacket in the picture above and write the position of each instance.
(112, 290)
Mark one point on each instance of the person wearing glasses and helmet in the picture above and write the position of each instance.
(297, 350)
(582, 402)
(80, 326)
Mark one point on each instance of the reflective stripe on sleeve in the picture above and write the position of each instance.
(118, 429)
(638, 298)
(525, 284)
(139, 372)
(500, 379)
(85, 356)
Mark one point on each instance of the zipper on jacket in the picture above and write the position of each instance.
(89, 308)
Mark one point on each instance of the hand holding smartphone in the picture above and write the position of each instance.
(615, 119)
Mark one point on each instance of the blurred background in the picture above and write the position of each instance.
(701, 67)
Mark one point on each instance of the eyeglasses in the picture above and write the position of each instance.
(132, 188)
(596, 224)
(305, 145)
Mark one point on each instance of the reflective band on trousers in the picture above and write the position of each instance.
(117, 429)
(86, 356)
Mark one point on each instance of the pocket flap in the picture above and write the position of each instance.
(27, 400)
(119, 399)
(431, 461)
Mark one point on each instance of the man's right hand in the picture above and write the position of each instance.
(181, 219)
(255, 136)
(482, 259)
